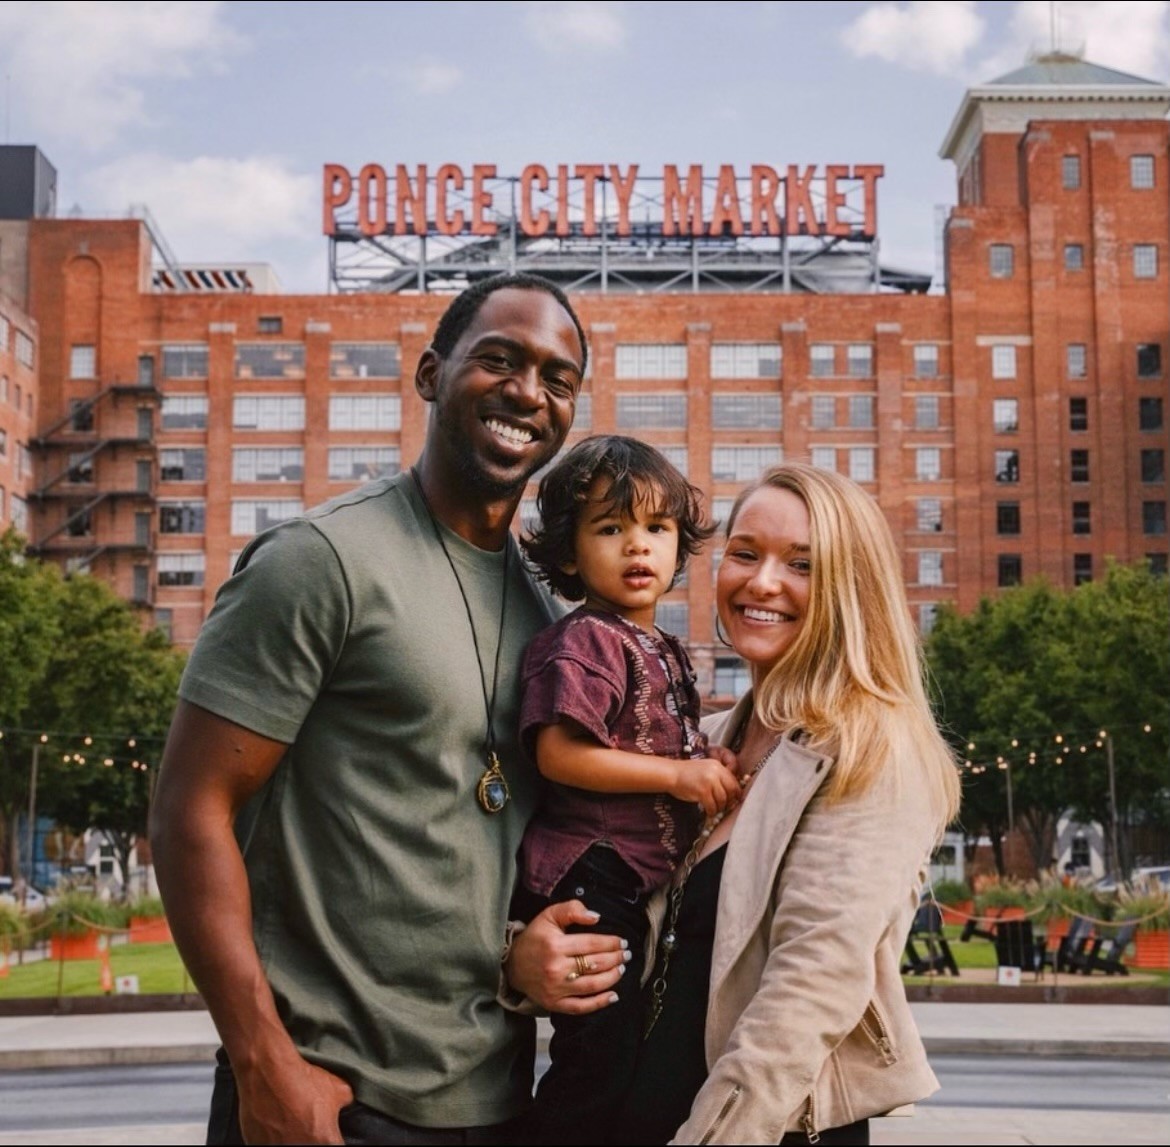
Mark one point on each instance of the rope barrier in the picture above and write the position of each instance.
(999, 918)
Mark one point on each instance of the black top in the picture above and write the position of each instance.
(672, 1062)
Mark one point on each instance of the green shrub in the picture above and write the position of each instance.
(951, 891)
(146, 908)
(1145, 904)
(1059, 900)
(1005, 893)
(75, 910)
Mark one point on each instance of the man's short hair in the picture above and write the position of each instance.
(462, 311)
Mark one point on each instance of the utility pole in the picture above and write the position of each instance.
(32, 816)
(1116, 866)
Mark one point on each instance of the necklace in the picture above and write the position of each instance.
(669, 941)
(492, 790)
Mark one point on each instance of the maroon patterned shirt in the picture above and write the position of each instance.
(631, 690)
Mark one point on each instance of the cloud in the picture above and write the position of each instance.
(79, 70)
(930, 37)
(432, 77)
(213, 207)
(1131, 35)
(569, 26)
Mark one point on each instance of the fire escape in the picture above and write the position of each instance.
(97, 496)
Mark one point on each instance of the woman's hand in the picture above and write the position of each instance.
(569, 972)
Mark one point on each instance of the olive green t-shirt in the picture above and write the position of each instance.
(379, 887)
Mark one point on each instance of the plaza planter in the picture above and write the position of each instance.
(1151, 951)
(149, 930)
(83, 947)
(958, 912)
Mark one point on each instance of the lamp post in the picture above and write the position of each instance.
(1115, 867)
(32, 813)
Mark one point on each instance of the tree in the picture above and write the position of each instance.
(1037, 663)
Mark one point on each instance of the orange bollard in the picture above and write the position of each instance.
(4, 962)
(104, 957)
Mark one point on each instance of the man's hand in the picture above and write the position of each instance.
(296, 1102)
(543, 966)
(708, 783)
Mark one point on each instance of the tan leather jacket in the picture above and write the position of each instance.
(807, 1022)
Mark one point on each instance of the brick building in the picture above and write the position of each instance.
(1010, 425)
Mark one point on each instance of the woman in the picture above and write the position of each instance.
(776, 1010)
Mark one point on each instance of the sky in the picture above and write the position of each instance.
(220, 116)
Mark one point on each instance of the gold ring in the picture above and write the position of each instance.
(583, 966)
(572, 976)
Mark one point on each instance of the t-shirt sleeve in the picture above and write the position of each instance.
(579, 674)
(274, 635)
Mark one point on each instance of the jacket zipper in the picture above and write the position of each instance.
(878, 1035)
(724, 1111)
(809, 1122)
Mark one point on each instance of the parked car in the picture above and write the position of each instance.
(1148, 877)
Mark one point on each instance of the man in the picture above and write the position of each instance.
(342, 793)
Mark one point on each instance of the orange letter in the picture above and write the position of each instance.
(835, 200)
(372, 199)
(674, 223)
(624, 190)
(530, 225)
(800, 218)
(414, 197)
(589, 174)
(481, 199)
(562, 199)
(447, 224)
(765, 187)
(338, 189)
(726, 217)
(869, 174)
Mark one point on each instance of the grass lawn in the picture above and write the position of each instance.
(157, 966)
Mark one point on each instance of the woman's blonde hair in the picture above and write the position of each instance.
(853, 677)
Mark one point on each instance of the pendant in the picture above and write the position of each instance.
(492, 790)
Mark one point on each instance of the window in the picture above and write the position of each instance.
(1153, 466)
(364, 360)
(821, 358)
(928, 515)
(1082, 520)
(861, 464)
(742, 463)
(1082, 568)
(861, 411)
(583, 417)
(1074, 257)
(1153, 517)
(270, 360)
(824, 457)
(270, 325)
(268, 412)
(1001, 260)
(24, 350)
(365, 412)
(1149, 414)
(3, 388)
(1, 503)
(926, 360)
(362, 463)
(180, 569)
(184, 360)
(3, 333)
(650, 360)
(268, 464)
(1149, 360)
(250, 517)
(1007, 466)
(1010, 570)
(1078, 414)
(528, 515)
(859, 360)
(23, 461)
(83, 362)
(1076, 360)
(1145, 261)
(732, 677)
(651, 411)
(1158, 564)
(19, 517)
(182, 464)
(930, 567)
(926, 412)
(1141, 172)
(180, 517)
(1070, 172)
(184, 412)
(1003, 362)
(927, 616)
(823, 412)
(1005, 415)
(674, 617)
(1007, 518)
(928, 464)
(80, 468)
(1078, 465)
(3, 443)
(745, 412)
(746, 360)
(677, 456)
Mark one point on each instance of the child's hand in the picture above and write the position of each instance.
(709, 783)
(727, 757)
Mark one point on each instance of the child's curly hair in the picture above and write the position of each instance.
(637, 473)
